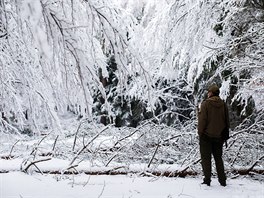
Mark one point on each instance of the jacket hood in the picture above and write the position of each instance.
(215, 101)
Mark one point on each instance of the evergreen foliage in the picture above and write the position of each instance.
(124, 62)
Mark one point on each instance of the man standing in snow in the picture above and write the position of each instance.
(212, 120)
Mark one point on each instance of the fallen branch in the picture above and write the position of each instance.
(86, 145)
(10, 156)
(13, 148)
(34, 163)
(35, 149)
(247, 171)
(123, 138)
(112, 157)
(53, 148)
(138, 128)
(184, 170)
(77, 131)
(153, 154)
(122, 170)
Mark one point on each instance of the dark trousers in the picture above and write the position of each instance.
(208, 147)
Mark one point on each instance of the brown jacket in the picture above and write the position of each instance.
(213, 117)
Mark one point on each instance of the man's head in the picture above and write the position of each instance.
(213, 90)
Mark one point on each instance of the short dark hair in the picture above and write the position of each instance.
(214, 89)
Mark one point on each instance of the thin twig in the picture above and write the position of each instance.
(154, 154)
(75, 137)
(35, 162)
(85, 146)
(102, 191)
(53, 148)
(13, 148)
(255, 163)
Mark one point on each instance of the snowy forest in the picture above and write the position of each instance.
(112, 86)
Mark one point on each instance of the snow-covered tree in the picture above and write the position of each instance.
(56, 58)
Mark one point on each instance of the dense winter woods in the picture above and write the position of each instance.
(138, 67)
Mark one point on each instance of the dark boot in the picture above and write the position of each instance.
(207, 183)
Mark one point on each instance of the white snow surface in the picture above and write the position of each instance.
(34, 185)
(18, 184)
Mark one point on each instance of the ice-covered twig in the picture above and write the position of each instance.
(53, 148)
(34, 163)
(254, 164)
(76, 134)
(10, 154)
(34, 150)
(86, 145)
(156, 150)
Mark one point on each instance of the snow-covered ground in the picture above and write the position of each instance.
(17, 184)
(21, 185)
